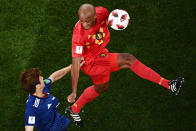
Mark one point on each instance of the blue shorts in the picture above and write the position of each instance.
(60, 124)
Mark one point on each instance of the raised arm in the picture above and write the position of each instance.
(60, 73)
(75, 70)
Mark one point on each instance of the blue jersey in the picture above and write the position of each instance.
(42, 113)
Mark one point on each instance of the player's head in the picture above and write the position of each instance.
(87, 16)
(31, 80)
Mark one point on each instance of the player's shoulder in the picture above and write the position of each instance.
(100, 9)
(102, 14)
(78, 26)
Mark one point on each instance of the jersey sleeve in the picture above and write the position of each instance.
(47, 83)
(77, 44)
(30, 117)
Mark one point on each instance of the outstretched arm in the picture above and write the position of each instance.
(60, 73)
(75, 70)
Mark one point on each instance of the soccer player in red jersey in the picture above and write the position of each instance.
(90, 37)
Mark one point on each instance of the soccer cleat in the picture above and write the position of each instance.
(175, 85)
(75, 116)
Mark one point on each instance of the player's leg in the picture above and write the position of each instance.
(100, 75)
(126, 60)
(88, 95)
(101, 87)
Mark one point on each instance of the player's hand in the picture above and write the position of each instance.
(71, 98)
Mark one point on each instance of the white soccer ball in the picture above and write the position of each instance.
(118, 19)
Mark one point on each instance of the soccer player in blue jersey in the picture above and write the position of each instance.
(41, 106)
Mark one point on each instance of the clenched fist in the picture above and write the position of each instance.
(71, 98)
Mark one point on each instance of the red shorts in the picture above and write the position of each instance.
(101, 68)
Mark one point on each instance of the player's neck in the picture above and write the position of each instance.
(95, 22)
(39, 94)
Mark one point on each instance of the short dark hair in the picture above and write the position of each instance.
(29, 79)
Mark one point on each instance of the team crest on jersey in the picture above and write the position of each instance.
(98, 37)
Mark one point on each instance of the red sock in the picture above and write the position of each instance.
(88, 95)
(146, 73)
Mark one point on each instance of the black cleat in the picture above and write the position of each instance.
(175, 85)
(75, 116)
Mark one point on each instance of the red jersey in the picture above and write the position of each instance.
(92, 42)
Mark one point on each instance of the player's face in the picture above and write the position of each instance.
(87, 21)
(41, 79)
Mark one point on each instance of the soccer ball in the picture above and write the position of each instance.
(118, 19)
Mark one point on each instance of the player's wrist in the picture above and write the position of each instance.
(74, 92)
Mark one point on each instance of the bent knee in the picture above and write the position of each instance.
(101, 89)
(126, 59)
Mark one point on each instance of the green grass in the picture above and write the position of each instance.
(161, 34)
